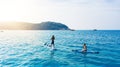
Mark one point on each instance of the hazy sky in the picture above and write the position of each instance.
(77, 14)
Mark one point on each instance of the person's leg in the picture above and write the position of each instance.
(52, 43)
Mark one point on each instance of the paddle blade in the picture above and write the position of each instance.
(45, 43)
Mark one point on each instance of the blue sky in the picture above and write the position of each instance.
(77, 14)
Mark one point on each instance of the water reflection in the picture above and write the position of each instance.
(52, 61)
(52, 54)
(84, 59)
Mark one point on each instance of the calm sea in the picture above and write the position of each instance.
(26, 48)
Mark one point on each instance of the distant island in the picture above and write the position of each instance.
(31, 26)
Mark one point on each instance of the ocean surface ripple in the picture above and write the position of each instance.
(20, 48)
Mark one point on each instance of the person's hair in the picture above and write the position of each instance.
(84, 43)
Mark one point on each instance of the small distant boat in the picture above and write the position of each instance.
(94, 29)
(72, 30)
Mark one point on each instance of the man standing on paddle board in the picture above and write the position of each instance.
(52, 41)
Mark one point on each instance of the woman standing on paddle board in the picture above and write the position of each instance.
(84, 48)
(52, 41)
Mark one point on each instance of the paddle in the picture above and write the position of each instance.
(46, 44)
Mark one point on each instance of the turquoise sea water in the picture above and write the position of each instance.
(26, 48)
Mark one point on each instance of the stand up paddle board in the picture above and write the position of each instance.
(88, 52)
